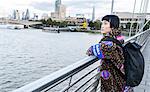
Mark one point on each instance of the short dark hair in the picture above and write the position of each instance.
(113, 19)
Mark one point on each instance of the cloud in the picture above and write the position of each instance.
(43, 6)
(85, 7)
(86, 3)
(73, 6)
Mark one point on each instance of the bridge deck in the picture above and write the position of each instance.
(145, 84)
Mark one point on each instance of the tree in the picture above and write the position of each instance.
(121, 27)
(43, 21)
(147, 26)
(97, 25)
(128, 25)
(134, 25)
(58, 24)
(49, 21)
(54, 23)
(63, 24)
(91, 24)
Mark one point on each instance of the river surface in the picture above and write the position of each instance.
(29, 54)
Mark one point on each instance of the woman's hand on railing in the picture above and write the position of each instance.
(89, 52)
(95, 50)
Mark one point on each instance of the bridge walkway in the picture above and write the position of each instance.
(145, 84)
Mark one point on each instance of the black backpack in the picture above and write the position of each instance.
(134, 62)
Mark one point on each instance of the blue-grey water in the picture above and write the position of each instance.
(29, 54)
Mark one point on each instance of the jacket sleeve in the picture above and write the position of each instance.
(101, 50)
(95, 50)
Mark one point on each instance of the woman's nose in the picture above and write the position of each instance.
(102, 26)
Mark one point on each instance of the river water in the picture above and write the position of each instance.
(29, 54)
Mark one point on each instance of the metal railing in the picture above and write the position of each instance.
(81, 76)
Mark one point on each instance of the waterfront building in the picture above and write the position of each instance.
(62, 11)
(27, 15)
(45, 16)
(127, 17)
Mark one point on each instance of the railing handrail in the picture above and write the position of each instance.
(135, 36)
(49, 80)
(54, 77)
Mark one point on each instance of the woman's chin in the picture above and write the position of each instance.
(103, 32)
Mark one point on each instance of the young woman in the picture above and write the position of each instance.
(111, 55)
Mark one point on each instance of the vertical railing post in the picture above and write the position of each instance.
(69, 82)
(95, 85)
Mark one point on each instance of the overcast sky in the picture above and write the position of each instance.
(74, 7)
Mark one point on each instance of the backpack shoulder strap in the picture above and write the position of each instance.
(113, 40)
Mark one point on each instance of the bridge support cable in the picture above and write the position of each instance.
(132, 19)
(112, 6)
(143, 10)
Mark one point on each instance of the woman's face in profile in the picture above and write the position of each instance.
(105, 28)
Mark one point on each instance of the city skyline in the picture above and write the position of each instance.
(85, 7)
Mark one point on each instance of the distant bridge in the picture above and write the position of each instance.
(21, 22)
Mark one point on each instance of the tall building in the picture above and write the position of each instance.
(27, 15)
(93, 14)
(17, 15)
(62, 11)
(35, 17)
(23, 16)
(57, 4)
(14, 14)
